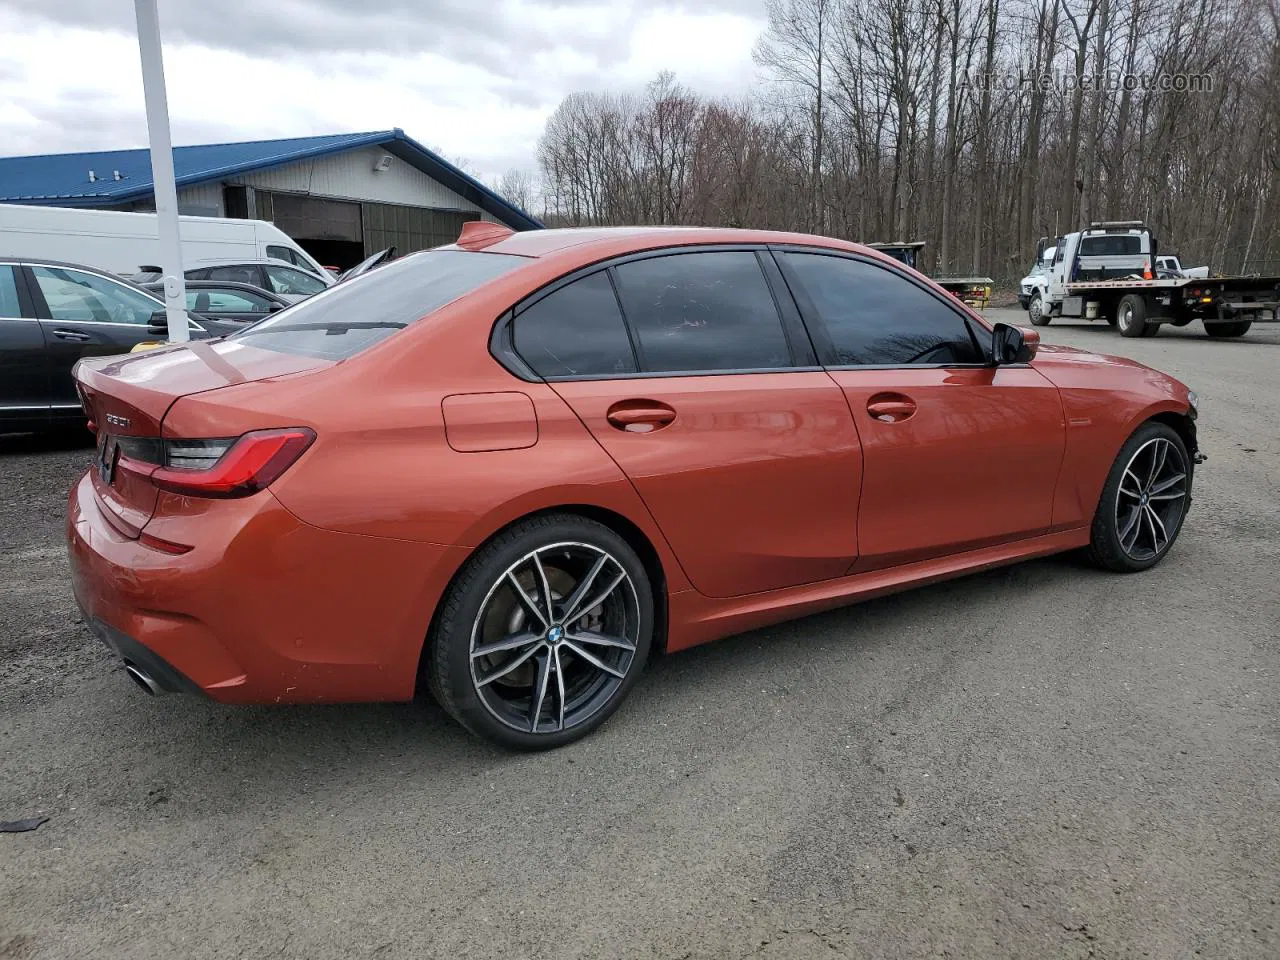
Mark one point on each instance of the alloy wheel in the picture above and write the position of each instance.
(555, 637)
(1151, 499)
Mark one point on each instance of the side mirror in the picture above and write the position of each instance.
(1011, 344)
(159, 323)
(273, 307)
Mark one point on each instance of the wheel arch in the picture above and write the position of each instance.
(636, 538)
(1183, 425)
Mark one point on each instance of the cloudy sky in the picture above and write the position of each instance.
(474, 78)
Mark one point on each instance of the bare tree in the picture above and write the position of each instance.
(517, 186)
(870, 127)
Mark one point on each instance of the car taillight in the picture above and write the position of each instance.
(231, 467)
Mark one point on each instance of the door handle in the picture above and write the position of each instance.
(639, 416)
(71, 335)
(891, 407)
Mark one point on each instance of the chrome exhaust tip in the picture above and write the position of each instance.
(142, 679)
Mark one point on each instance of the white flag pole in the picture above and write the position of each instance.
(166, 189)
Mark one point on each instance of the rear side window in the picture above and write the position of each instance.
(349, 317)
(246, 273)
(576, 331)
(702, 312)
(8, 293)
(226, 301)
(874, 315)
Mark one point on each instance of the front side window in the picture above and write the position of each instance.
(277, 252)
(874, 315)
(291, 282)
(289, 255)
(576, 331)
(73, 295)
(9, 306)
(707, 311)
(352, 316)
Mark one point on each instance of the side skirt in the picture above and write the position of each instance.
(696, 619)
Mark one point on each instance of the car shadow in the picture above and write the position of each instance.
(278, 751)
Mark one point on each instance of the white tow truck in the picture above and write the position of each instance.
(1109, 272)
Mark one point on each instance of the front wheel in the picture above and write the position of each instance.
(1143, 501)
(1237, 328)
(1035, 311)
(543, 633)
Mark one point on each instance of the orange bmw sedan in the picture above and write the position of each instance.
(512, 468)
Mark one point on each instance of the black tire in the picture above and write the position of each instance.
(1109, 533)
(1131, 316)
(1035, 311)
(1237, 328)
(482, 587)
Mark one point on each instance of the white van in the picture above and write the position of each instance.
(121, 243)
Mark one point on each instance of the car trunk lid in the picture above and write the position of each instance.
(126, 399)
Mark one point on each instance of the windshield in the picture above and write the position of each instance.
(356, 314)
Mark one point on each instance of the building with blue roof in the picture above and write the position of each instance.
(341, 197)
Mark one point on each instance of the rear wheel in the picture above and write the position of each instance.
(1237, 328)
(1035, 311)
(543, 633)
(1143, 502)
(1131, 317)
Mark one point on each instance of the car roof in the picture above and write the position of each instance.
(46, 262)
(245, 262)
(545, 243)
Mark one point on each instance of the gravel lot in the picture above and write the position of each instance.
(1042, 761)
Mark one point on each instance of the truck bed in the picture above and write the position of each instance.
(1218, 283)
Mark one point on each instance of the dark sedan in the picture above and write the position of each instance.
(53, 314)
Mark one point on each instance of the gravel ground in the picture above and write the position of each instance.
(1042, 761)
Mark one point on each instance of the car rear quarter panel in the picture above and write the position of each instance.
(1105, 400)
(382, 464)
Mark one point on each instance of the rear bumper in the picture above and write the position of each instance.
(264, 608)
(167, 678)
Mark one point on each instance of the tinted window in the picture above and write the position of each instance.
(875, 316)
(289, 281)
(348, 317)
(702, 311)
(245, 273)
(1111, 245)
(74, 295)
(575, 331)
(8, 293)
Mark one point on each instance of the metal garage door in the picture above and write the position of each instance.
(410, 228)
(316, 218)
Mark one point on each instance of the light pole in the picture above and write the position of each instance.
(166, 189)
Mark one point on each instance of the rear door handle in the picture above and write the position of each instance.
(70, 335)
(891, 407)
(639, 416)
